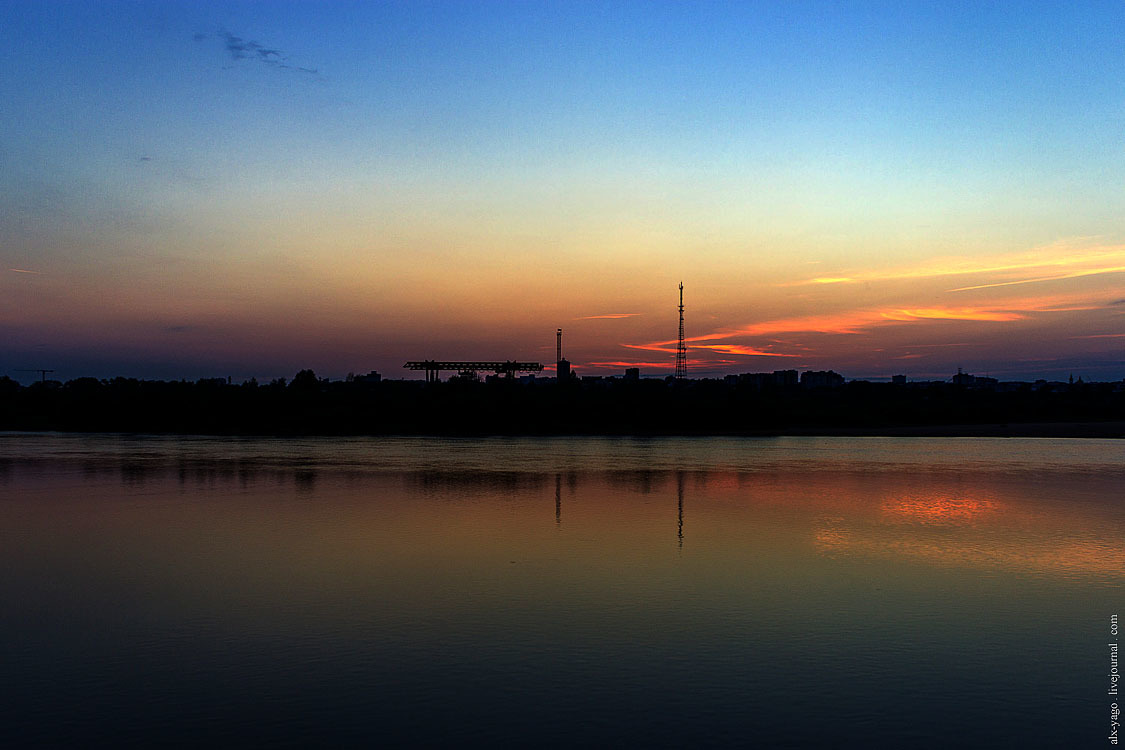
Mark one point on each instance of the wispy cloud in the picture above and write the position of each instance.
(844, 323)
(741, 349)
(1013, 268)
(746, 351)
(657, 346)
(248, 49)
(240, 49)
(608, 316)
(1056, 277)
(859, 321)
(626, 363)
(851, 322)
(797, 338)
(24, 270)
(665, 365)
(961, 313)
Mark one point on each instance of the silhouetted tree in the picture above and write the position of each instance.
(305, 380)
(7, 385)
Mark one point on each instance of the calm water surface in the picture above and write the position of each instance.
(791, 592)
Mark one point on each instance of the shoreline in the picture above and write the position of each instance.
(1114, 430)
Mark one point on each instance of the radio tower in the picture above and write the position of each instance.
(681, 349)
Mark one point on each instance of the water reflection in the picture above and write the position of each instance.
(938, 508)
(642, 481)
(680, 509)
(501, 482)
(414, 593)
(1033, 527)
(304, 480)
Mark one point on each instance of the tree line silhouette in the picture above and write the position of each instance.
(310, 405)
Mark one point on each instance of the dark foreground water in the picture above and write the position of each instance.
(799, 592)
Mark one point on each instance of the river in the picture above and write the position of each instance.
(778, 592)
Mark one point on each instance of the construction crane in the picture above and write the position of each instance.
(41, 371)
(509, 368)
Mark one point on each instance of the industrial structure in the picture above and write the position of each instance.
(40, 370)
(562, 366)
(681, 348)
(433, 368)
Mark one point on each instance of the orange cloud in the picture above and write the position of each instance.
(852, 322)
(666, 365)
(623, 363)
(962, 313)
(658, 346)
(748, 351)
(841, 323)
(609, 316)
(1101, 260)
(864, 321)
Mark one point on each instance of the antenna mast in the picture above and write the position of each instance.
(40, 370)
(681, 348)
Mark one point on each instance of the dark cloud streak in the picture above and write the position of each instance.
(240, 49)
(247, 49)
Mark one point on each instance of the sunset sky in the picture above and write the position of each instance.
(196, 189)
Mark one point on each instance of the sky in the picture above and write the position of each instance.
(213, 189)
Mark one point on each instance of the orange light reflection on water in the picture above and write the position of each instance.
(940, 508)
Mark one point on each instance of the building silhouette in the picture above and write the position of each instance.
(821, 379)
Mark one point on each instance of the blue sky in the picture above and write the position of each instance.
(247, 188)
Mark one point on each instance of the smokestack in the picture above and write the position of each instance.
(562, 367)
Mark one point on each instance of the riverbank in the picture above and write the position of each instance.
(587, 407)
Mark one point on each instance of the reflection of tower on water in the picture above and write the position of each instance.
(680, 506)
(558, 499)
